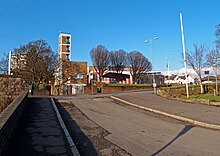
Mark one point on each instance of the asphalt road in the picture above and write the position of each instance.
(195, 111)
(141, 133)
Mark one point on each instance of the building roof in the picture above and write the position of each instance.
(117, 76)
(64, 33)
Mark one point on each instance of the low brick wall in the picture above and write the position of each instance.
(112, 89)
(11, 86)
(9, 119)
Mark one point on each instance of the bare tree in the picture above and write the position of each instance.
(35, 62)
(217, 34)
(213, 57)
(196, 61)
(213, 61)
(100, 60)
(138, 65)
(4, 64)
(118, 60)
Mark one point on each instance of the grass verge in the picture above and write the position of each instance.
(206, 96)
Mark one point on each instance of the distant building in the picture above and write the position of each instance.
(179, 79)
(110, 76)
(18, 61)
(147, 78)
(70, 76)
(182, 79)
(64, 46)
(126, 78)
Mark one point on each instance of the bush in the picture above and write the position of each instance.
(180, 91)
(4, 102)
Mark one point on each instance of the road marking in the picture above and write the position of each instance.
(180, 118)
(66, 132)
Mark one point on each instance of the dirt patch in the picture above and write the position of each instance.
(88, 136)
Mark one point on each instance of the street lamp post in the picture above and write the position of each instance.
(151, 47)
(168, 68)
(184, 55)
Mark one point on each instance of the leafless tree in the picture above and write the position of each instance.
(213, 58)
(118, 60)
(217, 34)
(195, 60)
(35, 62)
(4, 64)
(100, 59)
(138, 65)
(213, 61)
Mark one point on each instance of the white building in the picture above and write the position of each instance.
(182, 79)
(18, 61)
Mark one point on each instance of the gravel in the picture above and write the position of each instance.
(88, 136)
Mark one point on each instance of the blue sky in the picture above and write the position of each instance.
(116, 24)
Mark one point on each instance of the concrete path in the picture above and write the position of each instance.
(204, 113)
(39, 132)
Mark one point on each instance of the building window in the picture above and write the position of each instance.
(67, 57)
(68, 40)
(78, 76)
(68, 48)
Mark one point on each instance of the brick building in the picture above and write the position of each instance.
(64, 47)
(70, 76)
(93, 75)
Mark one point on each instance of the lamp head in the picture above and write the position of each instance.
(155, 38)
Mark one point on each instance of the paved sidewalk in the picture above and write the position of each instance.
(39, 132)
(199, 112)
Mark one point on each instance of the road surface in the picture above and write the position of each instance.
(141, 133)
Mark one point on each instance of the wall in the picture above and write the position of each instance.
(72, 68)
(69, 71)
(112, 89)
(11, 86)
(9, 119)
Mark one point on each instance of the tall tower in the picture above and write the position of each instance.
(64, 49)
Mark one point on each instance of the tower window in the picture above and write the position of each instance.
(67, 57)
(68, 40)
(67, 48)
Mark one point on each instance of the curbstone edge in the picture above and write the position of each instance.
(180, 118)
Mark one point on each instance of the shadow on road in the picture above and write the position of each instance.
(81, 141)
(184, 131)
